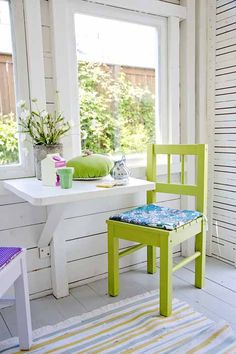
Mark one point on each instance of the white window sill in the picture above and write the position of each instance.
(136, 166)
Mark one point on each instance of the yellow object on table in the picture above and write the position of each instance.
(108, 184)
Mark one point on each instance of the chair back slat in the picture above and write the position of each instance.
(174, 188)
(179, 149)
(202, 171)
(182, 169)
(151, 171)
(168, 168)
(199, 189)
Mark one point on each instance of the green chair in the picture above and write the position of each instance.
(153, 237)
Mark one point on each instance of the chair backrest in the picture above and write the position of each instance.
(199, 190)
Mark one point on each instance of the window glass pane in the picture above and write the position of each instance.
(117, 64)
(9, 153)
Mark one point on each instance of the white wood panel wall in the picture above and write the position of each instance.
(21, 223)
(224, 199)
(177, 2)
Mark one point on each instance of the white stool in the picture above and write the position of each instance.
(13, 271)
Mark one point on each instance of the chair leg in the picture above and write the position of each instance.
(113, 264)
(200, 245)
(23, 309)
(166, 264)
(151, 260)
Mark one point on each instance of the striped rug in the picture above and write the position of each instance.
(133, 326)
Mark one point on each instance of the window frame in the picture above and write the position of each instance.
(160, 23)
(21, 87)
(28, 77)
(63, 38)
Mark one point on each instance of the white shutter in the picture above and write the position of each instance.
(224, 200)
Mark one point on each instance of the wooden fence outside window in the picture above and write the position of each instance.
(143, 77)
(7, 92)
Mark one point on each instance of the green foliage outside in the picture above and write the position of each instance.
(115, 114)
(8, 140)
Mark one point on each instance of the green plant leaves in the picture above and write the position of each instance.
(43, 128)
(8, 140)
(114, 113)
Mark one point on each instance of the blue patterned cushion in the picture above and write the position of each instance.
(155, 216)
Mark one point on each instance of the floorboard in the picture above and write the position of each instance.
(88, 297)
(217, 301)
(4, 332)
(43, 311)
(208, 302)
(221, 273)
(226, 295)
(69, 307)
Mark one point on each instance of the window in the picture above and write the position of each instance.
(9, 150)
(83, 45)
(119, 83)
(117, 64)
(15, 160)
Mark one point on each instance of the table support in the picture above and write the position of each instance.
(59, 266)
(54, 222)
(54, 234)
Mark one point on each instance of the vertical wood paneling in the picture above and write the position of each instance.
(224, 200)
(177, 2)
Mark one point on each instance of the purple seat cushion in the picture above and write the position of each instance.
(7, 254)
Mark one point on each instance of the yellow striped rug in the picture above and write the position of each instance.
(133, 326)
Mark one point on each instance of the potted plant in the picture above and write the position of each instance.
(44, 130)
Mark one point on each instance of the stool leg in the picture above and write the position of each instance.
(151, 260)
(23, 308)
(166, 263)
(113, 264)
(200, 245)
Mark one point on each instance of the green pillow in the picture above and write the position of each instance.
(91, 166)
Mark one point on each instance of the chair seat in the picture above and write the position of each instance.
(153, 215)
(7, 254)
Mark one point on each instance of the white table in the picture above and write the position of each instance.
(56, 199)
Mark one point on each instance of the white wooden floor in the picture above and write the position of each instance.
(217, 300)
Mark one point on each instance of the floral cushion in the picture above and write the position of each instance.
(155, 216)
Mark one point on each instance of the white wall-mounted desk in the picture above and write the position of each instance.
(57, 200)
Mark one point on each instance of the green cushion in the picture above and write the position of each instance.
(91, 166)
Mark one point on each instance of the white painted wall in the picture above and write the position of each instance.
(22, 223)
